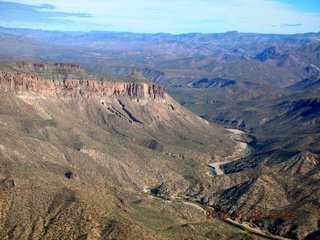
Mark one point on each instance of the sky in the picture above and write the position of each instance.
(169, 16)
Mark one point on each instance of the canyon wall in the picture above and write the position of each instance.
(77, 88)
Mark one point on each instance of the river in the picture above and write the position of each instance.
(241, 148)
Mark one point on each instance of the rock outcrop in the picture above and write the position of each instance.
(77, 88)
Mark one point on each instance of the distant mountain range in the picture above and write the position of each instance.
(174, 59)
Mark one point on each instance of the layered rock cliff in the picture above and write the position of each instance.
(77, 88)
(120, 106)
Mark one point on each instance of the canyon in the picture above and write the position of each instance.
(94, 145)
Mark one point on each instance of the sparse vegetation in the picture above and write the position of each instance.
(248, 81)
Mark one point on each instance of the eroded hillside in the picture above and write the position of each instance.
(78, 158)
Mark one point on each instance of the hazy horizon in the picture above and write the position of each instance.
(92, 31)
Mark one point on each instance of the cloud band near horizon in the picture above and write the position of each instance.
(206, 16)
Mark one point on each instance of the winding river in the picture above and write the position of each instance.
(241, 148)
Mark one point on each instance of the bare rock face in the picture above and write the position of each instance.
(77, 89)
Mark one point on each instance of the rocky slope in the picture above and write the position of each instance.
(77, 158)
(143, 105)
(282, 173)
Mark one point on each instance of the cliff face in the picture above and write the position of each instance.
(120, 106)
(75, 89)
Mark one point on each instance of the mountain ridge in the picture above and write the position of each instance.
(172, 60)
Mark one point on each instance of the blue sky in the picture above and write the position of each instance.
(170, 16)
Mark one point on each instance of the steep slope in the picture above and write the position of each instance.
(75, 156)
(140, 105)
